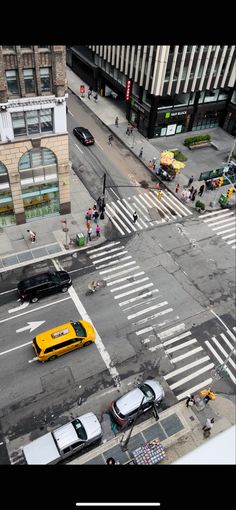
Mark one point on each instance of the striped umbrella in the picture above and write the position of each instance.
(169, 154)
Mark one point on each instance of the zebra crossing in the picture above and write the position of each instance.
(223, 224)
(148, 311)
(222, 347)
(153, 208)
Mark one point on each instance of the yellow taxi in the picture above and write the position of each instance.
(65, 338)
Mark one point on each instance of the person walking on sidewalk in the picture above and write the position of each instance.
(177, 188)
(190, 181)
(190, 401)
(131, 129)
(201, 190)
(207, 427)
(89, 93)
(95, 97)
(32, 236)
(95, 216)
(89, 234)
(110, 138)
(194, 195)
(117, 121)
(98, 230)
(128, 130)
(135, 217)
(141, 153)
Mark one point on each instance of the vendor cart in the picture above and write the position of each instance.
(150, 453)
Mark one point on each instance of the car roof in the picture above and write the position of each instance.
(34, 280)
(45, 339)
(85, 130)
(130, 401)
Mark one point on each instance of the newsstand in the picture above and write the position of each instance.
(150, 453)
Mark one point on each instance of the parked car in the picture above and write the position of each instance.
(125, 408)
(65, 338)
(83, 135)
(42, 284)
(64, 441)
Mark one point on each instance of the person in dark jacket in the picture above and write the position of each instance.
(201, 190)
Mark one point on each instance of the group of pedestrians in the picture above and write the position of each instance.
(93, 214)
(129, 129)
(90, 93)
(190, 401)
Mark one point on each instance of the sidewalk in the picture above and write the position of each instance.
(108, 109)
(16, 250)
(179, 430)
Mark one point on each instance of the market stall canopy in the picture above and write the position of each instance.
(166, 161)
(169, 154)
(177, 165)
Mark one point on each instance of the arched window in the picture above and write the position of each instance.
(4, 180)
(38, 166)
(7, 216)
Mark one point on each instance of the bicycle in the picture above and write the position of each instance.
(95, 285)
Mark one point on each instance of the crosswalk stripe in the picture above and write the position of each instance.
(189, 391)
(183, 208)
(146, 310)
(168, 342)
(228, 224)
(113, 262)
(105, 252)
(146, 341)
(110, 257)
(153, 204)
(123, 216)
(231, 242)
(225, 231)
(142, 321)
(134, 290)
(158, 203)
(149, 293)
(130, 284)
(168, 332)
(221, 361)
(167, 199)
(216, 342)
(111, 215)
(140, 304)
(126, 209)
(186, 355)
(137, 209)
(102, 247)
(219, 214)
(227, 341)
(186, 367)
(127, 277)
(118, 267)
(145, 330)
(229, 235)
(145, 208)
(181, 346)
(120, 273)
(234, 246)
(193, 375)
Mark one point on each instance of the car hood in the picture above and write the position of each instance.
(157, 388)
(91, 425)
(65, 436)
(130, 401)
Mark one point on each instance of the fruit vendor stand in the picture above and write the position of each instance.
(150, 453)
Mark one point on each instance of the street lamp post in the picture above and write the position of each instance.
(103, 197)
(124, 445)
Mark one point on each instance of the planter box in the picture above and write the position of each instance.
(199, 145)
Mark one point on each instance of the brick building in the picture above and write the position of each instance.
(34, 156)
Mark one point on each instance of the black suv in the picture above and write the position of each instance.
(39, 285)
(83, 135)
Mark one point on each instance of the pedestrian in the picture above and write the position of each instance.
(190, 181)
(128, 130)
(131, 129)
(190, 401)
(110, 460)
(95, 216)
(141, 152)
(207, 427)
(94, 207)
(32, 236)
(89, 234)
(88, 214)
(110, 138)
(88, 225)
(150, 165)
(99, 203)
(95, 97)
(154, 165)
(209, 396)
(177, 188)
(135, 217)
(194, 194)
(98, 230)
(89, 93)
(116, 121)
(191, 190)
(201, 190)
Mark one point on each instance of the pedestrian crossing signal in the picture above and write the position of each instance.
(220, 181)
(230, 192)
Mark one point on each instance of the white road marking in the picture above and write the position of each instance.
(221, 349)
(186, 355)
(139, 297)
(34, 309)
(15, 348)
(193, 375)
(226, 327)
(189, 391)
(120, 273)
(146, 341)
(114, 222)
(221, 361)
(102, 247)
(111, 256)
(229, 223)
(130, 284)
(17, 308)
(145, 330)
(7, 292)
(226, 341)
(231, 242)
(113, 262)
(105, 253)
(79, 148)
(111, 215)
(141, 312)
(177, 204)
(160, 206)
(145, 209)
(80, 269)
(168, 310)
(31, 326)
(219, 214)
(134, 290)
(186, 367)
(118, 267)
(140, 304)
(117, 196)
(100, 147)
(181, 346)
(177, 338)
(132, 209)
(70, 113)
(126, 208)
(32, 360)
(127, 277)
(168, 332)
(124, 216)
(229, 235)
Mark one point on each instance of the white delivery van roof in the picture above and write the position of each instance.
(42, 451)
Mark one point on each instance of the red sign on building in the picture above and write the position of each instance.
(127, 92)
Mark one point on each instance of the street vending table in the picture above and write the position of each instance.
(150, 453)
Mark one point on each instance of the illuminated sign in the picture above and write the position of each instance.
(127, 91)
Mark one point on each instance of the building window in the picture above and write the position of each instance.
(45, 79)
(182, 99)
(35, 121)
(7, 216)
(223, 94)
(38, 165)
(29, 81)
(44, 47)
(211, 96)
(9, 48)
(233, 98)
(27, 47)
(12, 82)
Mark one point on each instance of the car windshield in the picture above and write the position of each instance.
(54, 277)
(80, 430)
(148, 392)
(79, 329)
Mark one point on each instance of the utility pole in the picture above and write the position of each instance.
(124, 445)
(103, 197)
(231, 152)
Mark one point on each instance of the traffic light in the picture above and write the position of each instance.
(230, 192)
(220, 181)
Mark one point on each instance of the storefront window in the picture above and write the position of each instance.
(181, 99)
(233, 98)
(41, 201)
(7, 216)
(165, 102)
(223, 94)
(211, 96)
(147, 98)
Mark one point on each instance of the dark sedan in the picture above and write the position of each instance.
(83, 135)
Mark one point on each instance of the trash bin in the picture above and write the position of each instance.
(223, 199)
(80, 239)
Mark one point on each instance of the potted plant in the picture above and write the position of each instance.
(200, 206)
